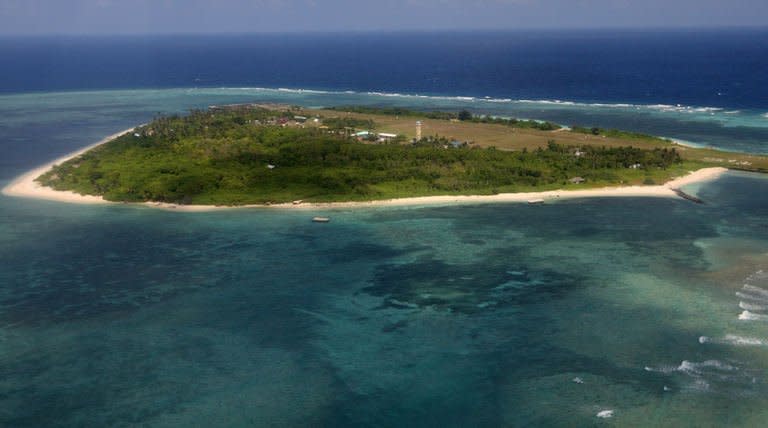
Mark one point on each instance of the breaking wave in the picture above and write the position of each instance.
(751, 316)
(751, 306)
(752, 297)
(694, 368)
(675, 108)
(756, 290)
(732, 339)
(753, 293)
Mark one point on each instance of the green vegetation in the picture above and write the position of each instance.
(252, 155)
(616, 133)
(397, 111)
(463, 115)
(349, 122)
(516, 123)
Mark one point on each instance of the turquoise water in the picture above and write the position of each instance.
(489, 315)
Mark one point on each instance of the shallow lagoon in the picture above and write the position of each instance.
(461, 316)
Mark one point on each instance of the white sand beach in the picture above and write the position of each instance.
(25, 186)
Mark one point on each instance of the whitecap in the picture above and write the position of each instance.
(757, 290)
(700, 385)
(746, 341)
(705, 109)
(752, 307)
(484, 305)
(404, 303)
(734, 340)
(302, 91)
(604, 414)
(752, 297)
(693, 368)
(661, 369)
(751, 316)
(759, 275)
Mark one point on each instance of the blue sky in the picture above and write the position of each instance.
(238, 16)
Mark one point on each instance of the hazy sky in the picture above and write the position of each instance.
(227, 16)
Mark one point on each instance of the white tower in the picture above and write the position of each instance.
(418, 130)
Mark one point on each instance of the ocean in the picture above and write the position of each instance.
(643, 311)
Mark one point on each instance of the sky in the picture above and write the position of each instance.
(41, 17)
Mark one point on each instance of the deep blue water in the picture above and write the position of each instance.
(721, 68)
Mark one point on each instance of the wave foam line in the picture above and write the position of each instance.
(677, 108)
(759, 275)
(732, 339)
(756, 290)
(747, 296)
(752, 307)
(693, 368)
(751, 316)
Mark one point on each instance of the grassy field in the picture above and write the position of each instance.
(510, 138)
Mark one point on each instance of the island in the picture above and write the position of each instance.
(276, 155)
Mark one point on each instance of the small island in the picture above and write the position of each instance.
(260, 154)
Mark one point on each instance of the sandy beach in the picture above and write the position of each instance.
(25, 186)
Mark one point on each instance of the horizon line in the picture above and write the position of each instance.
(630, 29)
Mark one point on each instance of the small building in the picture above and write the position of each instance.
(300, 118)
(577, 180)
(362, 134)
(384, 136)
(635, 166)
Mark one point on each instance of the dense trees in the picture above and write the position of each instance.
(463, 115)
(615, 133)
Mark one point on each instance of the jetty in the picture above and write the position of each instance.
(687, 196)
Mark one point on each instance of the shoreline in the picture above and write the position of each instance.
(25, 186)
